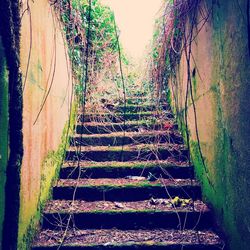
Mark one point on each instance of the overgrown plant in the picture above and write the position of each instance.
(95, 30)
(175, 32)
(96, 56)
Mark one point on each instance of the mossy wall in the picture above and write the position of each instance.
(221, 88)
(3, 132)
(47, 89)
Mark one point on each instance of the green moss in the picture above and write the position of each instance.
(169, 99)
(4, 131)
(9, 30)
(134, 165)
(200, 169)
(231, 98)
(226, 181)
(50, 172)
(143, 184)
(194, 83)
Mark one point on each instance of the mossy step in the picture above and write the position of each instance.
(119, 117)
(165, 169)
(133, 108)
(124, 138)
(159, 239)
(126, 215)
(137, 100)
(140, 152)
(141, 99)
(130, 126)
(125, 189)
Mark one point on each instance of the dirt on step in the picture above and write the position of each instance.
(62, 206)
(105, 237)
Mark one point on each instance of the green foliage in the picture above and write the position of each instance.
(167, 44)
(102, 32)
(4, 131)
(98, 32)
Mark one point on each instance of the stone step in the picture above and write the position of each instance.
(141, 99)
(159, 239)
(120, 117)
(137, 100)
(165, 169)
(140, 152)
(124, 138)
(130, 126)
(150, 214)
(127, 185)
(135, 108)
(130, 108)
(125, 189)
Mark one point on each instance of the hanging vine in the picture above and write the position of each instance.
(102, 44)
(175, 32)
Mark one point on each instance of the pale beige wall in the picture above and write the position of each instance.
(201, 60)
(48, 68)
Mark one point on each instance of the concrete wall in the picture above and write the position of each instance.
(3, 131)
(221, 90)
(46, 100)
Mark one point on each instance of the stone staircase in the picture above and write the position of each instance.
(126, 184)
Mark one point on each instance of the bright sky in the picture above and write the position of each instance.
(135, 19)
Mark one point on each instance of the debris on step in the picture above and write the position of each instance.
(118, 205)
(106, 205)
(168, 125)
(153, 201)
(132, 197)
(109, 106)
(151, 177)
(179, 202)
(124, 239)
(64, 206)
(135, 178)
(142, 130)
(156, 202)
